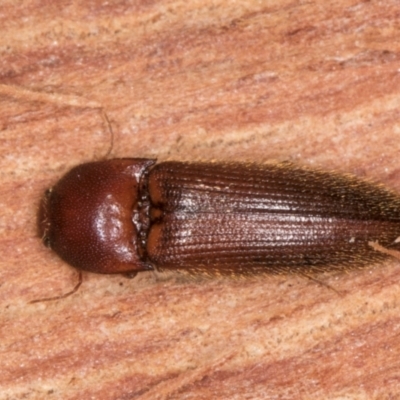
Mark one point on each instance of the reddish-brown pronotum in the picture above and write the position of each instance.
(130, 215)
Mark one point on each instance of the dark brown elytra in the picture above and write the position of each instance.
(130, 215)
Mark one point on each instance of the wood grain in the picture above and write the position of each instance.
(315, 83)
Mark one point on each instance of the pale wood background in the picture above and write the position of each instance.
(317, 83)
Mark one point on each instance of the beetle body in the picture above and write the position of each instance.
(130, 215)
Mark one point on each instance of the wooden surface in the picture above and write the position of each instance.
(316, 83)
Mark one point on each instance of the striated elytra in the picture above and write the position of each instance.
(130, 215)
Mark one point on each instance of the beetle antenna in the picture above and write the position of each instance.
(63, 296)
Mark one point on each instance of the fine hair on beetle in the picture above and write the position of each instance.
(123, 216)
